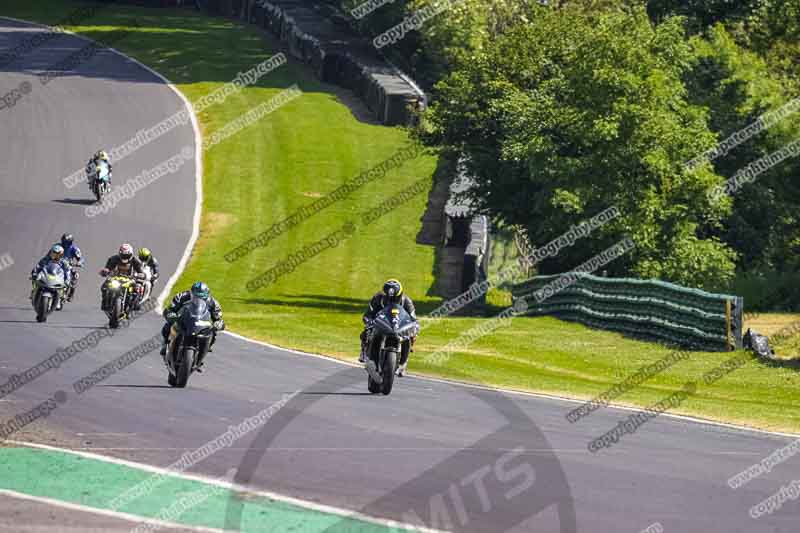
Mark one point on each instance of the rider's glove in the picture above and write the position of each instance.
(171, 317)
(219, 325)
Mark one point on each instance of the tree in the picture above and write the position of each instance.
(571, 113)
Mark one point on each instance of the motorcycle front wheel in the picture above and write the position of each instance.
(45, 301)
(116, 313)
(184, 367)
(387, 372)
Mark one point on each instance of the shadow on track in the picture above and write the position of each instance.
(136, 386)
(76, 201)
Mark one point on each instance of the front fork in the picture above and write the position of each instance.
(171, 339)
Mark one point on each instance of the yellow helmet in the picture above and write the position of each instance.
(393, 289)
(101, 155)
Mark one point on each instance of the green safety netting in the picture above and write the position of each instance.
(643, 308)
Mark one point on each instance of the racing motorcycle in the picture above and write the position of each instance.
(118, 296)
(101, 181)
(390, 334)
(48, 288)
(189, 341)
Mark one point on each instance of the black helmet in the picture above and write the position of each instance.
(66, 240)
(393, 290)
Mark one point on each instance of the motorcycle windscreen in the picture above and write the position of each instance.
(196, 315)
(54, 274)
(102, 171)
(397, 311)
(396, 317)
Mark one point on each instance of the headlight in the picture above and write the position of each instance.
(204, 323)
(113, 284)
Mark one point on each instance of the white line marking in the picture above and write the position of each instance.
(328, 509)
(105, 512)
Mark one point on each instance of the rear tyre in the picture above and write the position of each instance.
(387, 372)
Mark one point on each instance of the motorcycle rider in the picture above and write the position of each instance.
(392, 293)
(100, 155)
(149, 260)
(73, 255)
(124, 263)
(199, 290)
(55, 255)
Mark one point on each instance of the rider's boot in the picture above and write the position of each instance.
(402, 364)
(198, 365)
(362, 357)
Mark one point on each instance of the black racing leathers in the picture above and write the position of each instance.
(378, 302)
(115, 266)
(177, 302)
(184, 297)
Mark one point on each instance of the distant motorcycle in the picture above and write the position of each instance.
(49, 285)
(390, 333)
(101, 181)
(119, 295)
(189, 341)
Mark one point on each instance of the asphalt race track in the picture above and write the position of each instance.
(489, 462)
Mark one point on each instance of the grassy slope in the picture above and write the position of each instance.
(307, 148)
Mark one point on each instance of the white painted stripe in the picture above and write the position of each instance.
(105, 512)
(328, 509)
